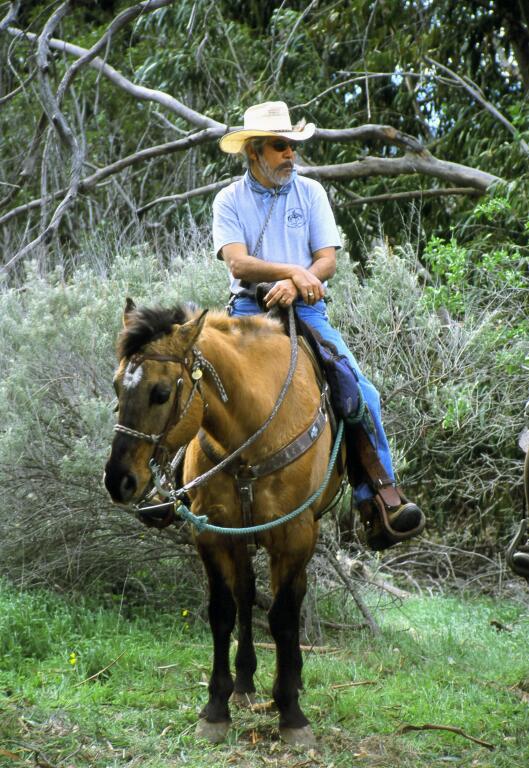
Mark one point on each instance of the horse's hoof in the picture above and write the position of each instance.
(298, 737)
(243, 700)
(215, 733)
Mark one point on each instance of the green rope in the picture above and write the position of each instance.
(201, 522)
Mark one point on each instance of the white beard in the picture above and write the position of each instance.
(277, 177)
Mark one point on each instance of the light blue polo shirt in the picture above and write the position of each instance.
(302, 220)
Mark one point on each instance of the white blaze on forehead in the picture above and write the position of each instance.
(132, 376)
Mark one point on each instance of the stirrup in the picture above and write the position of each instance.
(519, 565)
(379, 520)
(392, 532)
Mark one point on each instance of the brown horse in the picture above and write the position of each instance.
(173, 369)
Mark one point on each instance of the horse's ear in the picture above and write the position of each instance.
(129, 307)
(190, 331)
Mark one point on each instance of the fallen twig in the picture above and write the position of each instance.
(450, 728)
(307, 648)
(352, 684)
(101, 671)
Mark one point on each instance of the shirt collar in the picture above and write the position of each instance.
(256, 186)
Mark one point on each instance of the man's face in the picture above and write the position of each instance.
(276, 161)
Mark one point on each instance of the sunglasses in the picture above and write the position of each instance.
(279, 145)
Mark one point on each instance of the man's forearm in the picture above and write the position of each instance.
(324, 268)
(253, 270)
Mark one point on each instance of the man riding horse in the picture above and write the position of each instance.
(275, 226)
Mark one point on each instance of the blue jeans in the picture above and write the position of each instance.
(316, 317)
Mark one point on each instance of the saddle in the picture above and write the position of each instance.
(363, 465)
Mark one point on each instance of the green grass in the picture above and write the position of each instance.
(440, 661)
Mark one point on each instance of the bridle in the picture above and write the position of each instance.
(195, 368)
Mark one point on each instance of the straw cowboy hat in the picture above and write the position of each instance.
(269, 119)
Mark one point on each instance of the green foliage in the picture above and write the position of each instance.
(439, 661)
(449, 262)
(453, 388)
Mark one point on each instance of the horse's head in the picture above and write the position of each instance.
(159, 399)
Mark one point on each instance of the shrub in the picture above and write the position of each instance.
(57, 338)
(453, 392)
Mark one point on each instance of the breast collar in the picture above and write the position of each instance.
(257, 187)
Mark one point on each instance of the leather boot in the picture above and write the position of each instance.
(386, 525)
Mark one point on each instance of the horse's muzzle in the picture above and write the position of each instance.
(120, 482)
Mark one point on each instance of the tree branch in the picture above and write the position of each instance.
(417, 194)
(370, 132)
(129, 14)
(476, 182)
(100, 175)
(11, 15)
(57, 119)
(183, 196)
(351, 587)
(472, 89)
(137, 91)
(424, 164)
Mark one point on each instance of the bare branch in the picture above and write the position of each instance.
(358, 78)
(450, 728)
(183, 196)
(129, 14)
(417, 194)
(476, 182)
(57, 119)
(49, 102)
(291, 35)
(179, 145)
(370, 132)
(351, 587)
(120, 165)
(11, 15)
(424, 164)
(472, 89)
(137, 91)
(18, 89)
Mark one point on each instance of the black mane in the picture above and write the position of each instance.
(147, 324)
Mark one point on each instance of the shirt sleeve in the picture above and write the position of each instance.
(323, 232)
(227, 227)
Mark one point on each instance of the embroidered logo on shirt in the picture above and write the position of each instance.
(295, 217)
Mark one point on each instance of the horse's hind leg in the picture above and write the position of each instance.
(245, 659)
(215, 717)
(289, 585)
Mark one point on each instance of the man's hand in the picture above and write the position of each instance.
(309, 287)
(283, 293)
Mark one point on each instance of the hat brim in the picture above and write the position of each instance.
(233, 142)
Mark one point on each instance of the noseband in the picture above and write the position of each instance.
(195, 368)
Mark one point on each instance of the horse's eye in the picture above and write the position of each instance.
(160, 394)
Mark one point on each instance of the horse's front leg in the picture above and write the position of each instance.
(215, 717)
(289, 584)
(245, 659)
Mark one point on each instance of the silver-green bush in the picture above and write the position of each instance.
(453, 394)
